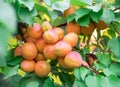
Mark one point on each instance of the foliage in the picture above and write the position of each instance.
(104, 44)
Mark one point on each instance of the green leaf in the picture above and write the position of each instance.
(96, 15)
(60, 5)
(41, 9)
(117, 59)
(31, 81)
(117, 16)
(98, 66)
(96, 8)
(83, 72)
(81, 12)
(80, 2)
(53, 14)
(108, 72)
(93, 81)
(115, 68)
(12, 72)
(26, 15)
(70, 18)
(9, 22)
(59, 20)
(78, 83)
(48, 83)
(15, 61)
(115, 26)
(110, 81)
(84, 21)
(77, 73)
(108, 16)
(116, 47)
(2, 60)
(28, 3)
(104, 58)
(66, 79)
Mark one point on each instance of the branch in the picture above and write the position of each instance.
(20, 26)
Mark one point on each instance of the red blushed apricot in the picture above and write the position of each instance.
(49, 53)
(17, 51)
(61, 48)
(73, 59)
(35, 31)
(40, 44)
(40, 57)
(50, 36)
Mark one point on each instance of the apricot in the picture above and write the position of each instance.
(73, 27)
(27, 65)
(46, 26)
(71, 38)
(49, 53)
(70, 10)
(30, 39)
(100, 25)
(17, 51)
(29, 51)
(40, 57)
(50, 36)
(40, 44)
(88, 30)
(35, 31)
(73, 59)
(61, 48)
(42, 68)
(62, 63)
(60, 33)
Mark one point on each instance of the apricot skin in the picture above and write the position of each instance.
(61, 48)
(27, 66)
(73, 59)
(42, 68)
(35, 31)
(29, 51)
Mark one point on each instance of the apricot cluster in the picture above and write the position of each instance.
(43, 43)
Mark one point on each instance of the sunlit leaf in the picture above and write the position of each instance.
(27, 3)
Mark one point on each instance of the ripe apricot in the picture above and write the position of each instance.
(17, 51)
(60, 33)
(73, 59)
(49, 53)
(73, 27)
(42, 68)
(61, 48)
(40, 44)
(50, 36)
(27, 65)
(29, 51)
(100, 25)
(35, 31)
(69, 11)
(40, 57)
(62, 63)
(71, 38)
(87, 30)
(46, 26)
(30, 39)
